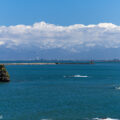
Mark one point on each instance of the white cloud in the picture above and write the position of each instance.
(73, 38)
(1, 42)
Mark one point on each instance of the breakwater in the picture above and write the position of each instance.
(55, 63)
(29, 63)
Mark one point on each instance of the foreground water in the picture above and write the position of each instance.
(61, 92)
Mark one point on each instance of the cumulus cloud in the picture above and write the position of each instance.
(49, 36)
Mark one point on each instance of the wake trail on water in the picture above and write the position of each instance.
(77, 76)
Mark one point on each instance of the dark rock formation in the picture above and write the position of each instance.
(4, 76)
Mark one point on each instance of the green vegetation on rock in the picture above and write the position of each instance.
(4, 76)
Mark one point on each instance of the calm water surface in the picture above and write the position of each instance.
(61, 92)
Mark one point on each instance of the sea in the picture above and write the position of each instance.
(61, 92)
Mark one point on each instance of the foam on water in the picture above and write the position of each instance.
(46, 119)
(105, 119)
(82, 76)
(117, 88)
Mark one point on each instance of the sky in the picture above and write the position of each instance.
(59, 12)
(59, 29)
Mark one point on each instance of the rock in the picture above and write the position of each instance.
(4, 76)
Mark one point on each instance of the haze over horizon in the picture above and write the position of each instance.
(59, 29)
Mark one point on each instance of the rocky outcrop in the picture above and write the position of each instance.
(4, 76)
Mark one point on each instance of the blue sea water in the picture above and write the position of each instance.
(61, 92)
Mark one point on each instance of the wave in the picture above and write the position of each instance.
(82, 76)
(105, 119)
(94, 119)
(46, 119)
(117, 88)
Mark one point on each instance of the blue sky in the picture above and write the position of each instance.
(60, 12)
(59, 29)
